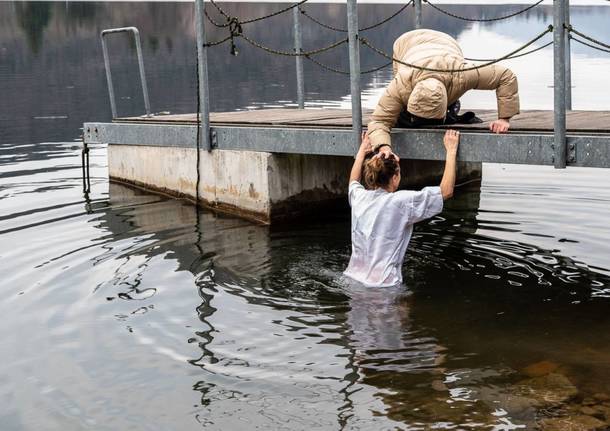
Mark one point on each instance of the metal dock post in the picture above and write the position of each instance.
(298, 48)
(354, 70)
(418, 20)
(202, 76)
(568, 57)
(559, 78)
(136, 35)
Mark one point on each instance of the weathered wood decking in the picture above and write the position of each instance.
(327, 132)
(527, 121)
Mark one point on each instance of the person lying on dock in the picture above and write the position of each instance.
(416, 98)
(383, 218)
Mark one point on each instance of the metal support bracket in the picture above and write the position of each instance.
(91, 134)
(136, 35)
(85, 166)
(571, 153)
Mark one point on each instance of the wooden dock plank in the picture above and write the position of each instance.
(527, 121)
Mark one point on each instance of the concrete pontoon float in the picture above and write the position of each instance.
(275, 163)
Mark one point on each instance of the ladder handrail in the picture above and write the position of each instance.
(136, 35)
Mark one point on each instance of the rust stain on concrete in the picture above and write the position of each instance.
(252, 192)
(219, 207)
(231, 191)
(186, 184)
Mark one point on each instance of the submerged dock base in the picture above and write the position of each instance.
(260, 186)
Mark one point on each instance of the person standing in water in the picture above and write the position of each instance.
(383, 218)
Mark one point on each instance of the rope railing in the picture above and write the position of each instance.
(293, 54)
(582, 42)
(465, 69)
(344, 30)
(589, 38)
(499, 18)
(523, 54)
(346, 72)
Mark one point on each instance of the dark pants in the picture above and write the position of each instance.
(407, 120)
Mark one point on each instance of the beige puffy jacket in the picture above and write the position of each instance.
(437, 50)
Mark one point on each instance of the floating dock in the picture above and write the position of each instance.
(275, 163)
(328, 132)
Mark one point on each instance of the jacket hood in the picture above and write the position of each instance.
(428, 99)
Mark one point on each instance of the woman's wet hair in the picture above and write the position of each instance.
(379, 170)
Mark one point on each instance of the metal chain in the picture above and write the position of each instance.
(214, 23)
(383, 66)
(582, 42)
(293, 54)
(465, 69)
(321, 24)
(499, 18)
(260, 18)
(218, 42)
(344, 72)
(235, 30)
(272, 50)
(219, 9)
(235, 24)
(523, 54)
(198, 133)
(589, 38)
(343, 30)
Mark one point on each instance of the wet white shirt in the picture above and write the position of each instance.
(382, 225)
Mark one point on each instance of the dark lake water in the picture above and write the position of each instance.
(128, 310)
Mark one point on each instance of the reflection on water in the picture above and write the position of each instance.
(132, 311)
(152, 315)
(33, 18)
(51, 64)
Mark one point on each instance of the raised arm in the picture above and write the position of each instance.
(451, 142)
(365, 148)
(391, 102)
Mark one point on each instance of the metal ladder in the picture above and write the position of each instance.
(136, 35)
